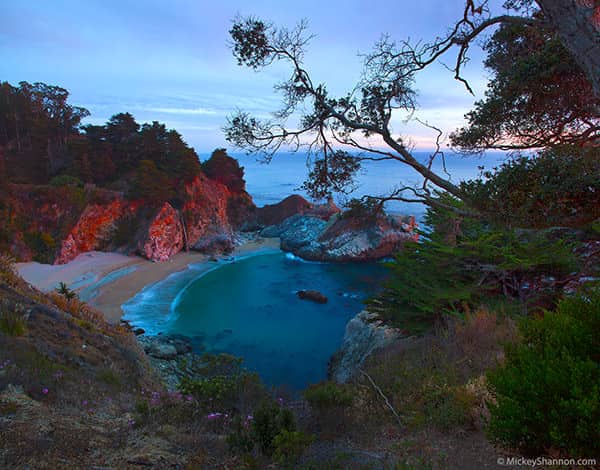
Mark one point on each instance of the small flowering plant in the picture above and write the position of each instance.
(169, 406)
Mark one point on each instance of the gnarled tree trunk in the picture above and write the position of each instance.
(574, 23)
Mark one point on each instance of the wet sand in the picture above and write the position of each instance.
(107, 280)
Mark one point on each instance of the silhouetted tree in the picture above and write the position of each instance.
(341, 132)
(221, 167)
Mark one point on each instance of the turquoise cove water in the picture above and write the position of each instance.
(249, 308)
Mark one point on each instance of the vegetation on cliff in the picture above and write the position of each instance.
(540, 96)
(511, 243)
(113, 186)
(42, 142)
(547, 389)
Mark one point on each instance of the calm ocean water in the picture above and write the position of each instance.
(269, 183)
(249, 307)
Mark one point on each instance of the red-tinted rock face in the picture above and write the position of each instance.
(40, 217)
(164, 236)
(205, 210)
(210, 212)
(60, 219)
(274, 214)
(93, 229)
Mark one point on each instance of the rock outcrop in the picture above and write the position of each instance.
(274, 214)
(39, 218)
(164, 236)
(364, 334)
(343, 238)
(209, 214)
(313, 295)
(94, 228)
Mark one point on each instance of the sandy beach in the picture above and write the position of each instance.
(107, 280)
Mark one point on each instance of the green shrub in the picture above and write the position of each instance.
(42, 244)
(219, 383)
(366, 209)
(289, 446)
(555, 187)
(126, 229)
(465, 263)
(261, 430)
(66, 180)
(240, 439)
(219, 389)
(65, 291)
(328, 395)
(548, 389)
(12, 320)
(109, 377)
(269, 421)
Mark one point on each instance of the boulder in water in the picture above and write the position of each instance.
(313, 295)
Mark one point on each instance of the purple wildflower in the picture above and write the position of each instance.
(45, 391)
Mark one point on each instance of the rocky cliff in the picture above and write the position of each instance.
(343, 237)
(55, 224)
(364, 334)
(274, 214)
(206, 221)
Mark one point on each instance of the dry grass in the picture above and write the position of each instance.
(8, 275)
(435, 380)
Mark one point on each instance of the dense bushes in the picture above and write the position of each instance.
(432, 382)
(42, 245)
(43, 143)
(272, 430)
(328, 395)
(548, 390)
(220, 383)
(224, 169)
(557, 187)
(366, 210)
(463, 263)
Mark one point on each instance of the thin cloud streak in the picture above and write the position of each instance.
(171, 62)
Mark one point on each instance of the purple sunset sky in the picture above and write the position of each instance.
(169, 61)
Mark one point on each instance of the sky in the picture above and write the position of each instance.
(170, 61)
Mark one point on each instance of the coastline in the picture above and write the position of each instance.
(110, 279)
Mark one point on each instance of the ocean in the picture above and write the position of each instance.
(248, 306)
(270, 183)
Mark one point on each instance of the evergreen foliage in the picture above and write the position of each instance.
(41, 142)
(224, 169)
(538, 96)
(464, 263)
(557, 187)
(548, 389)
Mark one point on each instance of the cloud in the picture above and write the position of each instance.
(192, 111)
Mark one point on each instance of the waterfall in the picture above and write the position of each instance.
(185, 235)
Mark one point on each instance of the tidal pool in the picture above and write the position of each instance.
(249, 308)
